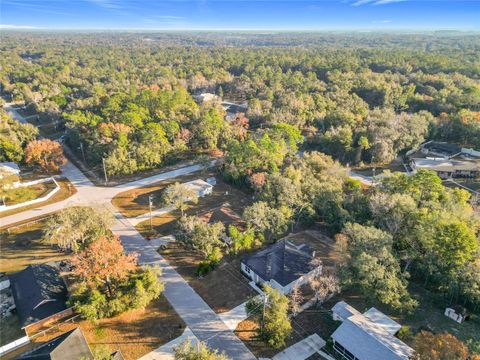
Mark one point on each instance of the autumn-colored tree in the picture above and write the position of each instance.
(296, 298)
(46, 154)
(324, 285)
(104, 262)
(439, 347)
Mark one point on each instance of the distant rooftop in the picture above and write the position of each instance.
(344, 310)
(446, 165)
(382, 320)
(442, 148)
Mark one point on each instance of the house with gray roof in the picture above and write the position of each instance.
(72, 345)
(39, 293)
(368, 336)
(281, 265)
(447, 168)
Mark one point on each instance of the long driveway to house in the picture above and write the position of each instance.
(199, 317)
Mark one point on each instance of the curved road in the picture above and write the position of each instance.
(199, 317)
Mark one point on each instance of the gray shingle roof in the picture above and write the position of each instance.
(72, 345)
(39, 292)
(284, 262)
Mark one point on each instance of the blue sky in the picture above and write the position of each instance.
(240, 14)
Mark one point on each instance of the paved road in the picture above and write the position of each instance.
(199, 317)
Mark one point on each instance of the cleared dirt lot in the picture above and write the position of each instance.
(222, 289)
(23, 245)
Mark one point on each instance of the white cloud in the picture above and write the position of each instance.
(382, 2)
(381, 21)
(108, 4)
(169, 17)
(374, 2)
(11, 26)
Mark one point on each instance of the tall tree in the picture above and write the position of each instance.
(199, 351)
(439, 347)
(46, 154)
(178, 196)
(75, 227)
(272, 314)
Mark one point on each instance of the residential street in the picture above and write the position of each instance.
(199, 317)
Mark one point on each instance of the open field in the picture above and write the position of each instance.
(135, 333)
(24, 246)
(165, 224)
(66, 190)
(222, 289)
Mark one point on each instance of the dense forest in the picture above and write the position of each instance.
(339, 98)
(360, 98)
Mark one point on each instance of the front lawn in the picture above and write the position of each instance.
(222, 289)
(23, 245)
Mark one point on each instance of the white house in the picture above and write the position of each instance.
(282, 265)
(447, 168)
(368, 336)
(206, 97)
(201, 187)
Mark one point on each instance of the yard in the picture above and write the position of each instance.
(222, 289)
(395, 166)
(135, 332)
(164, 225)
(309, 322)
(23, 245)
(66, 190)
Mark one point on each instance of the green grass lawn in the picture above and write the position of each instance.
(22, 194)
(66, 190)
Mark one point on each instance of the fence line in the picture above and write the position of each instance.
(14, 345)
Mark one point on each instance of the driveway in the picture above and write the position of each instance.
(205, 324)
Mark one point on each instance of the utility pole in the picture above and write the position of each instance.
(265, 299)
(104, 170)
(83, 153)
(150, 200)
